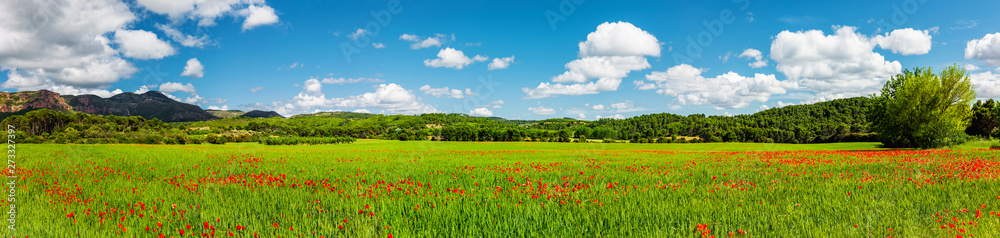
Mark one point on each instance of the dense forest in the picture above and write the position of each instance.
(831, 121)
(56, 127)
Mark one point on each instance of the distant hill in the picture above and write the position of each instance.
(341, 115)
(152, 104)
(261, 114)
(148, 105)
(226, 113)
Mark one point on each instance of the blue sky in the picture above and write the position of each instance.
(536, 59)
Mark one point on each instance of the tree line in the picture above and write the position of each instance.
(832, 121)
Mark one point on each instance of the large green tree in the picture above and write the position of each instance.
(918, 108)
(984, 119)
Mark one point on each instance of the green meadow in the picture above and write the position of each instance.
(380, 188)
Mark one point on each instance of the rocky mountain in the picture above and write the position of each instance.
(148, 105)
(32, 100)
(261, 114)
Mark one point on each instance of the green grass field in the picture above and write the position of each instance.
(375, 188)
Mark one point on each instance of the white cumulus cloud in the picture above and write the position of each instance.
(343, 80)
(622, 105)
(481, 112)
(360, 32)
(617, 39)
(500, 63)
(987, 84)
(835, 66)
(756, 55)
(986, 49)
(431, 41)
(259, 16)
(193, 69)
(446, 92)
(542, 110)
(206, 11)
(408, 37)
(451, 58)
(612, 67)
(140, 44)
(70, 90)
(726, 91)
(608, 55)
(172, 8)
(391, 98)
(142, 89)
(496, 104)
(545, 90)
(223, 108)
(905, 41)
(69, 49)
(763, 108)
(171, 87)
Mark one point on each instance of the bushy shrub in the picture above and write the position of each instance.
(215, 139)
(305, 140)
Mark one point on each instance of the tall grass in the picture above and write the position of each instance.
(413, 189)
